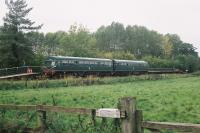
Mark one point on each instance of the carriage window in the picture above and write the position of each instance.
(86, 62)
(81, 62)
(76, 62)
(108, 63)
(71, 61)
(65, 62)
(123, 64)
(102, 63)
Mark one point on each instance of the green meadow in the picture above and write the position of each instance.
(170, 99)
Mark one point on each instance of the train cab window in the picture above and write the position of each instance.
(56, 63)
(53, 63)
(48, 63)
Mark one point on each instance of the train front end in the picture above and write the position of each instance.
(49, 67)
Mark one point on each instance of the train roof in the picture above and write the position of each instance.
(94, 59)
(130, 61)
(77, 58)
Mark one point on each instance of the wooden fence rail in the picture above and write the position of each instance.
(181, 127)
(131, 119)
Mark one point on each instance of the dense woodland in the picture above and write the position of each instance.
(22, 44)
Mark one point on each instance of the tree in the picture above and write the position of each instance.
(111, 38)
(141, 42)
(37, 41)
(79, 42)
(15, 48)
(167, 47)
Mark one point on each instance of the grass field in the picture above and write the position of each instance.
(172, 100)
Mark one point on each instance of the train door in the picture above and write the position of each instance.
(114, 65)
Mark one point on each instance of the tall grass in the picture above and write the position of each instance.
(72, 81)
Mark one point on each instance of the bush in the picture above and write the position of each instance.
(156, 62)
(188, 63)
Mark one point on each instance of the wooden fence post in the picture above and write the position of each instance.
(139, 119)
(41, 120)
(128, 124)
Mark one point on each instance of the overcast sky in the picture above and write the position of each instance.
(180, 17)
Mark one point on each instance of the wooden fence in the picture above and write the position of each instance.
(20, 70)
(131, 119)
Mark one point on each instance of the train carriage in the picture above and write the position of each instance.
(79, 65)
(130, 67)
(82, 66)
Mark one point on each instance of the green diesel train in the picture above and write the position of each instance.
(81, 66)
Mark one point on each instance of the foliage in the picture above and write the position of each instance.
(110, 38)
(157, 62)
(20, 44)
(79, 42)
(15, 48)
(186, 63)
(118, 42)
(189, 63)
(116, 55)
